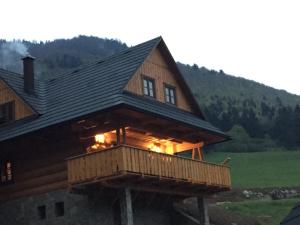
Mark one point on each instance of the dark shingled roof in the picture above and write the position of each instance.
(89, 89)
(16, 83)
(293, 218)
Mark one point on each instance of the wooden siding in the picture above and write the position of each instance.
(22, 110)
(125, 159)
(39, 171)
(156, 67)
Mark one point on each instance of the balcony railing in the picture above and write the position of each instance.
(121, 161)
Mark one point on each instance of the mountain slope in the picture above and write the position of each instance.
(203, 81)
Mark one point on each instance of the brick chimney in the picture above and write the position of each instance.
(28, 72)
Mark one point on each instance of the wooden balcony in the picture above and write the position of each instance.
(147, 171)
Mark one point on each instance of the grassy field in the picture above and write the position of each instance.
(263, 169)
(267, 212)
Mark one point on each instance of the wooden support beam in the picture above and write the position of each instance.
(156, 130)
(118, 136)
(203, 211)
(123, 135)
(126, 207)
(148, 121)
(193, 153)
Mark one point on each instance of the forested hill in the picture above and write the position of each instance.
(229, 86)
(59, 56)
(257, 116)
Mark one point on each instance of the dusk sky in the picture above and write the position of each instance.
(258, 40)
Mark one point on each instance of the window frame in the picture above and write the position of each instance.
(167, 88)
(148, 80)
(8, 111)
(4, 172)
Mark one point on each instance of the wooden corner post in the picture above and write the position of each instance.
(126, 207)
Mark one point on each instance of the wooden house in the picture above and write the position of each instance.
(114, 130)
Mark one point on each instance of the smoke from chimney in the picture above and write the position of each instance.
(10, 53)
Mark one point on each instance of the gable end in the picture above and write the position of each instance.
(20, 108)
(161, 67)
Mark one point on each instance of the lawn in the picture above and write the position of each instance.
(267, 212)
(262, 169)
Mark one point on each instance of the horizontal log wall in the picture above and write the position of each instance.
(37, 172)
(122, 159)
(156, 68)
(7, 95)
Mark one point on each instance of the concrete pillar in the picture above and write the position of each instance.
(126, 207)
(203, 211)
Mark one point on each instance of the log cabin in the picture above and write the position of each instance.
(105, 144)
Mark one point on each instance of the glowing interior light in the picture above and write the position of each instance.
(155, 148)
(100, 138)
(169, 150)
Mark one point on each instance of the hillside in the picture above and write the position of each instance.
(257, 116)
(254, 114)
(59, 56)
(207, 83)
(261, 169)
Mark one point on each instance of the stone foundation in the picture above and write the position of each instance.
(79, 210)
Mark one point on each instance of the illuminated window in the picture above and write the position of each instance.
(7, 112)
(148, 87)
(6, 172)
(170, 94)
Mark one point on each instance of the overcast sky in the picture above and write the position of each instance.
(255, 39)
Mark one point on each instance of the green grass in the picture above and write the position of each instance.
(267, 212)
(262, 169)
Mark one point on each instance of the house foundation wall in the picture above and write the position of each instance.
(65, 208)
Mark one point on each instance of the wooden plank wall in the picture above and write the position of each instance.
(41, 170)
(21, 109)
(156, 68)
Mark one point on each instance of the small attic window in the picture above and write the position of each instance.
(7, 112)
(148, 86)
(170, 94)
